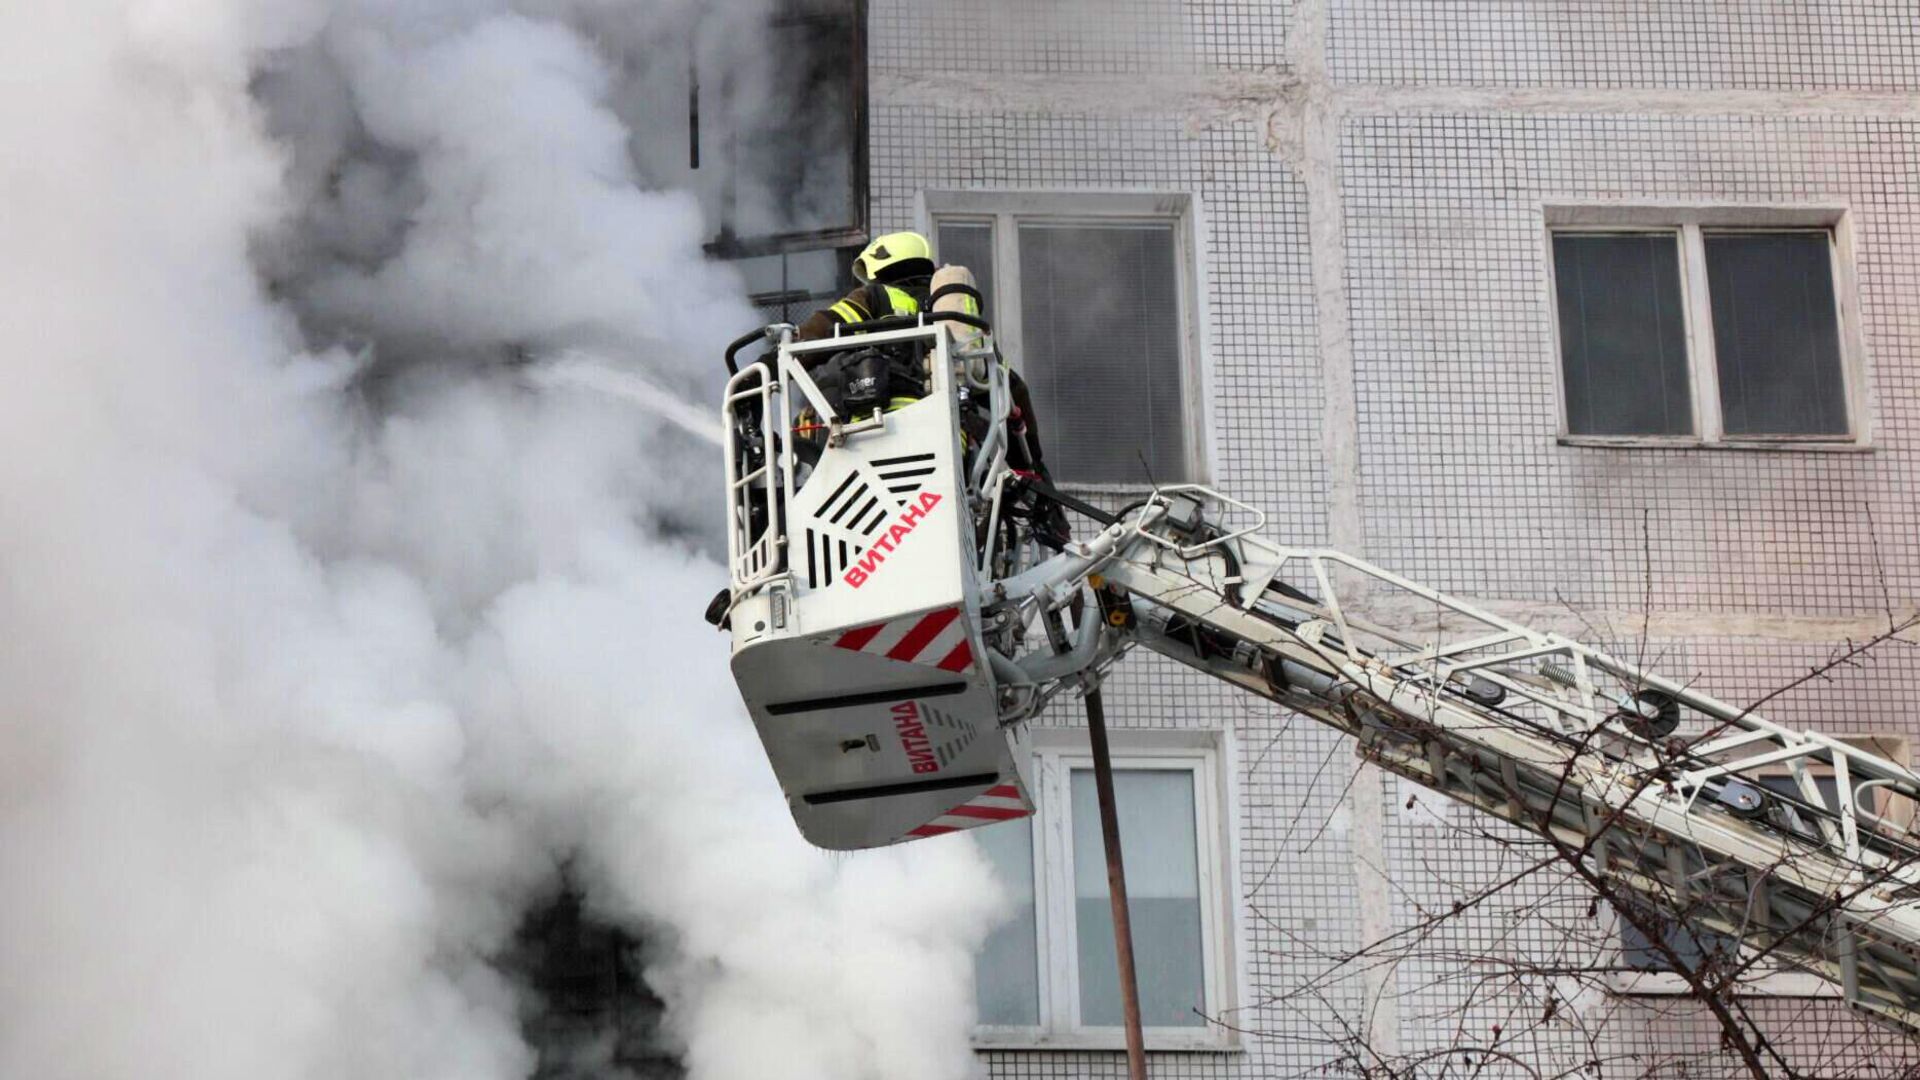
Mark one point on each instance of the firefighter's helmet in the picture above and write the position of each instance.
(894, 256)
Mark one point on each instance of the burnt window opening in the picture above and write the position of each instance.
(777, 133)
(586, 1011)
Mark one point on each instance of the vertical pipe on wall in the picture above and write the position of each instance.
(1116, 886)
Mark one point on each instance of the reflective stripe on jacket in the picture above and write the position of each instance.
(875, 301)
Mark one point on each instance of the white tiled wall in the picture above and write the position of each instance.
(1722, 44)
(1051, 37)
(1452, 123)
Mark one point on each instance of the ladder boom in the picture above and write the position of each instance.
(1654, 784)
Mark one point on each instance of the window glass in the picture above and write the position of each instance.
(1157, 844)
(1827, 786)
(1776, 333)
(1101, 338)
(1623, 343)
(1802, 821)
(1007, 985)
(1693, 945)
(970, 244)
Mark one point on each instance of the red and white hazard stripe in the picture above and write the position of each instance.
(1002, 802)
(938, 637)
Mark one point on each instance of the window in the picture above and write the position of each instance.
(1692, 944)
(775, 145)
(1622, 336)
(1091, 299)
(1048, 976)
(776, 130)
(1648, 971)
(1703, 327)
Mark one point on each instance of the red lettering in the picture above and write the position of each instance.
(910, 517)
(913, 737)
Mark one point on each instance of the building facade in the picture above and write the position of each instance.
(1600, 312)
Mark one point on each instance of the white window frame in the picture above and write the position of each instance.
(1774, 979)
(1005, 210)
(1690, 224)
(1056, 753)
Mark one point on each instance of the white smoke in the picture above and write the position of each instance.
(325, 635)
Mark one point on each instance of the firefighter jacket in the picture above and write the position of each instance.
(875, 301)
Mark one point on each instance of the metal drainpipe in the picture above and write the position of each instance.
(1116, 885)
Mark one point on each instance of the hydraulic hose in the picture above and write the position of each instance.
(739, 343)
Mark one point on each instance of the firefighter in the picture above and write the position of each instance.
(897, 276)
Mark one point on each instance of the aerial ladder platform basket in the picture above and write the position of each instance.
(901, 607)
(855, 603)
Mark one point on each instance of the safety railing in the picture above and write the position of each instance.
(754, 532)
